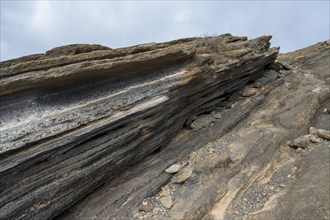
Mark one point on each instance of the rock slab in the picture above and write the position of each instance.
(79, 115)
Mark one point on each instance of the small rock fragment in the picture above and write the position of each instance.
(216, 115)
(249, 92)
(301, 142)
(314, 139)
(165, 192)
(321, 133)
(155, 210)
(202, 121)
(262, 81)
(173, 169)
(257, 85)
(166, 202)
(299, 150)
(183, 175)
(285, 66)
(272, 75)
(294, 170)
(145, 207)
(264, 194)
(325, 111)
(275, 66)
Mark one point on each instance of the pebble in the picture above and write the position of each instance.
(166, 202)
(301, 142)
(145, 207)
(314, 139)
(202, 121)
(173, 169)
(257, 85)
(183, 175)
(165, 192)
(216, 115)
(156, 210)
(249, 92)
(294, 170)
(321, 133)
(299, 150)
(325, 111)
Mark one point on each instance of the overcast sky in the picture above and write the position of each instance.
(29, 27)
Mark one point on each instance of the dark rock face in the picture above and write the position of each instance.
(80, 115)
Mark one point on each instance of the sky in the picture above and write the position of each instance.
(29, 27)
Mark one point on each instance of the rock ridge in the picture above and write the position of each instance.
(78, 115)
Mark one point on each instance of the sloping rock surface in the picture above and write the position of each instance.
(240, 164)
(79, 116)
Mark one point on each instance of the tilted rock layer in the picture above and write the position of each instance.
(79, 116)
(236, 162)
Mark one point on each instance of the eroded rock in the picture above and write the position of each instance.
(321, 133)
(202, 121)
(173, 169)
(167, 202)
(263, 171)
(90, 116)
(145, 207)
(183, 175)
(301, 142)
(165, 192)
(249, 92)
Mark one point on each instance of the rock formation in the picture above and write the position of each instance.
(87, 131)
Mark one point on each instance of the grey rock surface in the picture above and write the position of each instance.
(301, 142)
(242, 165)
(88, 131)
(183, 175)
(321, 133)
(173, 169)
(249, 92)
(166, 202)
(202, 121)
(79, 115)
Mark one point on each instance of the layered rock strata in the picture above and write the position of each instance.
(78, 116)
(238, 161)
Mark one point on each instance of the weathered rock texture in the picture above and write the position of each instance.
(87, 132)
(78, 116)
(242, 166)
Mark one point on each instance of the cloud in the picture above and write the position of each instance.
(35, 26)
